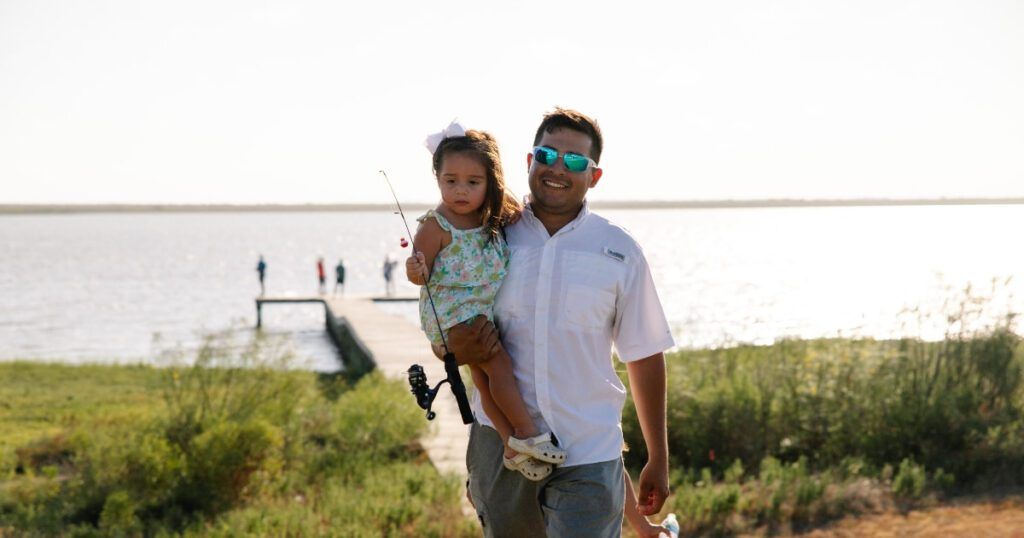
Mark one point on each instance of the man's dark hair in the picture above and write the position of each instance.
(567, 118)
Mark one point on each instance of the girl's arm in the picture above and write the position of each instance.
(430, 239)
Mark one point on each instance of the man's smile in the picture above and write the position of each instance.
(551, 183)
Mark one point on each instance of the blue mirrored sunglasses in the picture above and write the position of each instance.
(574, 162)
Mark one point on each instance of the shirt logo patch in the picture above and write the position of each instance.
(617, 255)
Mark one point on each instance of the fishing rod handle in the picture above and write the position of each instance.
(458, 387)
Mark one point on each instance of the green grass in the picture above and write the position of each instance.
(39, 400)
(233, 446)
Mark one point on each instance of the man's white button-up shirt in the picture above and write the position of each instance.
(566, 300)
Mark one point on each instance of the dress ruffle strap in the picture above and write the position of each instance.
(441, 221)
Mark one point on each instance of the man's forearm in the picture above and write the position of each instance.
(647, 383)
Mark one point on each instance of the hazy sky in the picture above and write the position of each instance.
(303, 101)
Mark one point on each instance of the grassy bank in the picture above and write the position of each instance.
(224, 448)
(793, 434)
(764, 438)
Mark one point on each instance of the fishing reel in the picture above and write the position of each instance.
(420, 388)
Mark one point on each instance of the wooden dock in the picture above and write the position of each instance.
(322, 299)
(370, 338)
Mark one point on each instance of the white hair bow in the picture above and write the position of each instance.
(434, 140)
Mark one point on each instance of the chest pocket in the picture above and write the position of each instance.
(513, 300)
(592, 289)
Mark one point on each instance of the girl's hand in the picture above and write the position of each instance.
(642, 526)
(650, 530)
(416, 269)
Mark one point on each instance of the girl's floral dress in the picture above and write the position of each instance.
(466, 276)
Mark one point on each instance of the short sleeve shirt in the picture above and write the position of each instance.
(567, 300)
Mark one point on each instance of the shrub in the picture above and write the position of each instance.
(909, 481)
(118, 515)
(371, 425)
(140, 465)
(397, 499)
(223, 460)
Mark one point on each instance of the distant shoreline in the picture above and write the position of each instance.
(37, 209)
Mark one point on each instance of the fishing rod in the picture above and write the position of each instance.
(417, 377)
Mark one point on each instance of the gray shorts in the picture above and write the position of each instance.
(582, 500)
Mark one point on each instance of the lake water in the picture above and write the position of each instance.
(98, 287)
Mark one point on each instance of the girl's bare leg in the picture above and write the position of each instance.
(501, 423)
(501, 382)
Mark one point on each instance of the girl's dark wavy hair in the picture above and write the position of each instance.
(499, 203)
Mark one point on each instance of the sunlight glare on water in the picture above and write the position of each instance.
(97, 287)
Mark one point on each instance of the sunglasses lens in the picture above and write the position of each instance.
(575, 162)
(546, 156)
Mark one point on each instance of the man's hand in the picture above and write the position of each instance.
(653, 488)
(416, 269)
(473, 343)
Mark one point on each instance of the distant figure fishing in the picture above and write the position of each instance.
(261, 269)
(339, 277)
(389, 274)
(321, 275)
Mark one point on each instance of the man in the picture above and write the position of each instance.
(320, 275)
(576, 285)
(389, 269)
(261, 268)
(339, 277)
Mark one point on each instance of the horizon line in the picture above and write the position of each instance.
(51, 208)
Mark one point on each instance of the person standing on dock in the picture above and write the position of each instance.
(321, 275)
(389, 271)
(261, 269)
(339, 277)
(577, 284)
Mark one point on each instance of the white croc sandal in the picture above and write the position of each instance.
(539, 447)
(527, 466)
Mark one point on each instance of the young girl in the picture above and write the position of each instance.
(461, 253)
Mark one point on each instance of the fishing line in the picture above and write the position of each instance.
(417, 378)
(426, 284)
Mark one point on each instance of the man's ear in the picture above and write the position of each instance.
(595, 177)
(529, 161)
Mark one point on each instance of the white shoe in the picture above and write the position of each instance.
(527, 466)
(539, 447)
